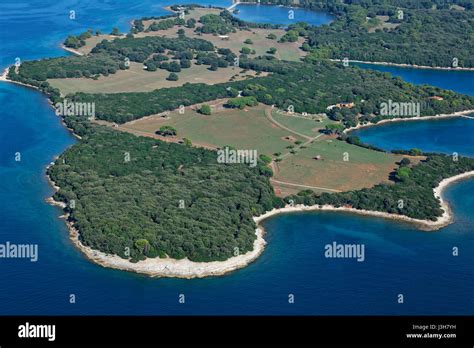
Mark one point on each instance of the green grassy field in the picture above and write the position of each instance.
(341, 166)
(301, 125)
(364, 168)
(243, 129)
(136, 79)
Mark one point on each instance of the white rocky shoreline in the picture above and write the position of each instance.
(184, 268)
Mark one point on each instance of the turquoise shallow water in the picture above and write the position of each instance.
(399, 259)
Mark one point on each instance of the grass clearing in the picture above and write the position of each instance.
(300, 124)
(364, 167)
(136, 79)
(93, 41)
(242, 129)
(235, 42)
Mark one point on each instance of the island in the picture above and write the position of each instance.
(195, 127)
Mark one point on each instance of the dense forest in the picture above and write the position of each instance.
(413, 186)
(427, 32)
(308, 88)
(167, 199)
(71, 66)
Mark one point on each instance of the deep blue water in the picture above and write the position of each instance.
(443, 135)
(281, 15)
(459, 81)
(399, 259)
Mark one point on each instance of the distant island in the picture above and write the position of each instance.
(147, 187)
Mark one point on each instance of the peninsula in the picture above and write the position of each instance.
(144, 189)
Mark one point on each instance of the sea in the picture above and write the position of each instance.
(405, 271)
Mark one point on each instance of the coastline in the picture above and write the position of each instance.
(426, 225)
(72, 50)
(184, 268)
(163, 267)
(402, 119)
(4, 77)
(404, 65)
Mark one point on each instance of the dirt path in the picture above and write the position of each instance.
(303, 186)
(268, 113)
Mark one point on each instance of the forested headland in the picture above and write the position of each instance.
(428, 32)
(152, 198)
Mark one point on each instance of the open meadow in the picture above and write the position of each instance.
(242, 129)
(136, 79)
(336, 165)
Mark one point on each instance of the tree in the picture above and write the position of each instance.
(265, 159)
(335, 128)
(191, 23)
(416, 152)
(241, 102)
(245, 50)
(271, 36)
(115, 32)
(405, 162)
(205, 109)
(248, 42)
(187, 142)
(150, 66)
(214, 66)
(272, 50)
(173, 77)
(181, 32)
(73, 42)
(403, 174)
(143, 246)
(185, 63)
(166, 131)
(174, 67)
